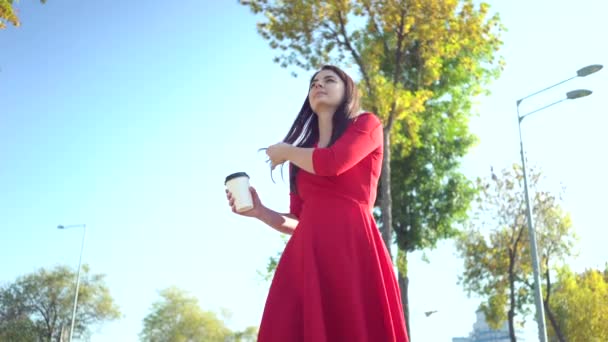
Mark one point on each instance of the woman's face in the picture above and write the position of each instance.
(326, 92)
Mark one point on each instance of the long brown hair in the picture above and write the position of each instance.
(304, 131)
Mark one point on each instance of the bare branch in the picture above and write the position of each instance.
(399, 50)
(356, 57)
(524, 281)
(519, 235)
(398, 56)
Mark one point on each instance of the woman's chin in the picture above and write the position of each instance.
(321, 109)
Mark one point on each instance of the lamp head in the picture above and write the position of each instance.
(575, 94)
(588, 70)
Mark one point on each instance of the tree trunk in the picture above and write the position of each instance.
(512, 326)
(403, 286)
(386, 204)
(554, 325)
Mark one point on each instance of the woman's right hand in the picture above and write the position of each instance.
(257, 209)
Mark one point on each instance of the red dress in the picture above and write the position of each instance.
(335, 280)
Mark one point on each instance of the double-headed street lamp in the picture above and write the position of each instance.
(571, 95)
(84, 233)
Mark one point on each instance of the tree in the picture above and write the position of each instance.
(7, 13)
(579, 305)
(178, 317)
(19, 330)
(556, 242)
(420, 63)
(495, 245)
(250, 334)
(40, 304)
(431, 196)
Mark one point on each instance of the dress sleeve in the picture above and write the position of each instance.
(295, 201)
(359, 140)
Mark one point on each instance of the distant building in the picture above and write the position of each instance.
(483, 333)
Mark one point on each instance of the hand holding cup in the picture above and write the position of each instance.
(242, 198)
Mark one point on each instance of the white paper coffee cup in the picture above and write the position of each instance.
(238, 185)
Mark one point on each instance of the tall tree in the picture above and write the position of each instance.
(431, 196)
(178, 317)
(7, 13)
(40, 304)
(579, 305)
(420, 63)
(495, 245)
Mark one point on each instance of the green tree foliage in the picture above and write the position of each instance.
(579, 304)
(7, 13)
(40, 304)
(177, 317)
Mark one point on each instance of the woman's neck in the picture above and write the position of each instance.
(325, 130)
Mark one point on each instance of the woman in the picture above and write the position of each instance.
(335, 280)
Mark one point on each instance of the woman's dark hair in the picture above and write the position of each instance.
(304, 131)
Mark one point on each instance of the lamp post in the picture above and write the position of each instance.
(84, 233)
(575, 94)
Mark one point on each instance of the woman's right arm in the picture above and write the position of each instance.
(284, 223)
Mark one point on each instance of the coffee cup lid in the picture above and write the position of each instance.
(236, 175)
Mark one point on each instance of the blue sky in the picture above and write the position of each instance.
(127, 117)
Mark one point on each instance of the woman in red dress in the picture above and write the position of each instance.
(335, 280)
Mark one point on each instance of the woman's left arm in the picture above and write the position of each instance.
(356, 143)
(300, 156)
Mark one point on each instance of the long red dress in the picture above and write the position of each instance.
(335, 280)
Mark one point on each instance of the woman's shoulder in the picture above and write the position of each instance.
(366, 121)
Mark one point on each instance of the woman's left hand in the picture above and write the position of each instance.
(277, 154)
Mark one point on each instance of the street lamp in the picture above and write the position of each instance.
(575, 94)
(84, 233)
